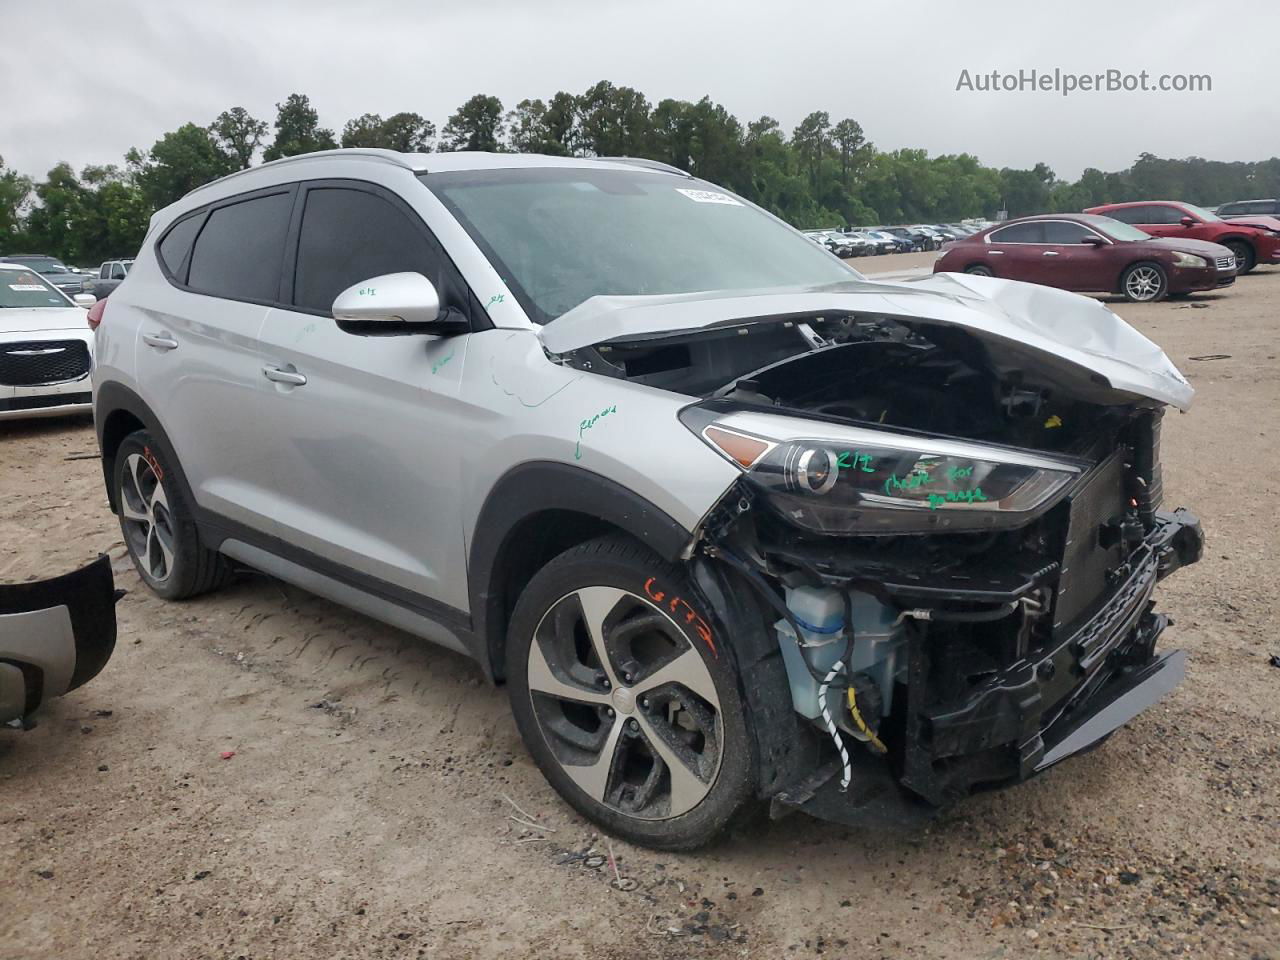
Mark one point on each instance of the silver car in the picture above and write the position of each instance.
(730, 522)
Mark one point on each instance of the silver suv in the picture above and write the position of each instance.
(731, 522)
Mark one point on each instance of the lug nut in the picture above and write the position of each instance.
(604, 682)
(644, 703)
(633, 724)
(608, 711)
(626, 677)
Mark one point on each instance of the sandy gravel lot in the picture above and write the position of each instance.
(364, 813)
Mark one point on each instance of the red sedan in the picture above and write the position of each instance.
(1090, 254)
(1253, 241)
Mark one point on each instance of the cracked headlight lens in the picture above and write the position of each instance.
(890, 484)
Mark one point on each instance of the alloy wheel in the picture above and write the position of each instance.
(625, 703)
(1143, 283)
(148, 523)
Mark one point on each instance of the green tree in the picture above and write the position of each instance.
(811, 140)
(406, 132)
(477, 125)
(238, 135)
(613, 121)
(298, 129)
(177, 163)
(15, 198)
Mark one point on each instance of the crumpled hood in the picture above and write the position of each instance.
(1068, 339)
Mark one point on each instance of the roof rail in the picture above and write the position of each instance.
(648, 164)
(367, 153)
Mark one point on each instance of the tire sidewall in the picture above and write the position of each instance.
(1248, 261)
(1164, 282)
(735, 780)
(186, 542)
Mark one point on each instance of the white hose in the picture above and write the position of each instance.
(846, 776)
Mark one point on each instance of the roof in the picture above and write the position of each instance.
(451, 161)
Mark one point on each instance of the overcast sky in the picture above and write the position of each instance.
(85, 81)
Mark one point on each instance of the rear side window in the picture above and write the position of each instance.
(348, 236)
(1032, 232)
(176, 244)
(239, 251)
(1129, 214)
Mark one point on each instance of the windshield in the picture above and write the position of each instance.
(559, 236)
(25, 288)
(44, 265)
(1202, 213)
(1117, 230)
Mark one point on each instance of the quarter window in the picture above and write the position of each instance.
(239, 251)
(176, 244)
(348, 236)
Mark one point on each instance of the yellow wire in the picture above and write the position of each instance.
(875, 741)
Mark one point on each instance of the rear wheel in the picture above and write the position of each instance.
(979, 270)
(1144, 282)
(626, 700)
(157, 524)
(1245, 259)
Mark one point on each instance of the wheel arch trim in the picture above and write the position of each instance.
(547, 487)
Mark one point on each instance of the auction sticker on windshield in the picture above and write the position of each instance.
(709, 196)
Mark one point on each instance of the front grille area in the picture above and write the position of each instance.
(40, 362)
(1093, 546)
(1226, 263)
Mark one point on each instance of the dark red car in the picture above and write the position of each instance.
(1090, 254)
(1253, 242)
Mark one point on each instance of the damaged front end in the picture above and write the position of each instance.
(957, 544)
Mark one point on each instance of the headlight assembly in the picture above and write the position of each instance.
(1181, 259)
(859, 482)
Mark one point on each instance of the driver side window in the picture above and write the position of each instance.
(349, 235)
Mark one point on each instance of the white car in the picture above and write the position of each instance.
(46, 348)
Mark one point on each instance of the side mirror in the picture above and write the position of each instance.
(395, 304)
(1188, 221)
(85, 300)
(1093, 241)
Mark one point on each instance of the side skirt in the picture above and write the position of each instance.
(380, 608)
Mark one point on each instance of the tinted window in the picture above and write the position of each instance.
(1064, 231)
(1032, 232)
(238, 253)
(1155, 214)
(117, 272)
(348, 236)
(176, 244)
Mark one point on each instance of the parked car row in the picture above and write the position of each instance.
(1144, 250)
(878, 240)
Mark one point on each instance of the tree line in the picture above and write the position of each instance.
(823, 173)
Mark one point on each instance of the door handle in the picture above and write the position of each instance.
(161, 341)
(996, 253)
(280, 375)
(1049, 253)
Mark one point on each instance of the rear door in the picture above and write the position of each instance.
(198, 355)
(369, 478)
(1013, 252)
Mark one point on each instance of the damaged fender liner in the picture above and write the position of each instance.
(1066, 698)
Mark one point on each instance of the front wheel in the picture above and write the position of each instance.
(627, 696)
(1245, 259)
(157, 524)
(1144, 282)
(979, 270)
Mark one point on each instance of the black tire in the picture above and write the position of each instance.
(1246, 259)
(618, 562)
(979, 270)
(142, 465)
(1144, 282)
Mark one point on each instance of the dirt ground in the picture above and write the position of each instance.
(366, 810)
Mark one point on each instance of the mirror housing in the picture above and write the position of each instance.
(396, 304)
(85, 300)
(1188, 221)
(1093, 241)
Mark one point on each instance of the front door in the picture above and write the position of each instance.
(368, 426)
